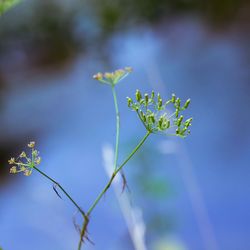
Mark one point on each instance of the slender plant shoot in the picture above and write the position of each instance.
(152, 111)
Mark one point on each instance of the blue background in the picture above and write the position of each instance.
(193, 193)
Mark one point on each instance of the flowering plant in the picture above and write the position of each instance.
(152, 112)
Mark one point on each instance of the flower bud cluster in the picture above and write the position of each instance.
(152, 111)
(112, 78)
(23, 163)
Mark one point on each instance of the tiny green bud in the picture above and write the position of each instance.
(187, 103)
(164, 125)
(129, 100)
(34, 153)
(143, 117)
(173, 98)
(160, 103)
(158, 97)
(179, 120)
(178, 102)
(138, 95)
(152, 118)
(152, 94)
(188, 122)
(146, 98)
(160, 122)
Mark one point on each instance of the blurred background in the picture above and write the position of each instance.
(190, 194)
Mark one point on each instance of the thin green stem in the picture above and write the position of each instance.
(116, 171)
(63, 190)
(141, 120)
(117, 127)
(134, 151)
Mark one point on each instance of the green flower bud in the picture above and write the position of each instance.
(160, 121)
(34, 153)
(151, 118)
(146, 98)
(143, 117)
(152, 95)
(176, 113)
(178, 103)
(159, 103)
(179, 120)
(164, 125)
(187, 103)
(129, 101)
(138, 95)
(173, 98)
(188, 122)
(158, 97)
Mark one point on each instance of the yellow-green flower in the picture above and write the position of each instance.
(23, 155)
(24, 163)
(31, 144)
(11, 160)
(112, 78)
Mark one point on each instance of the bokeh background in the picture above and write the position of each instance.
(190, 194)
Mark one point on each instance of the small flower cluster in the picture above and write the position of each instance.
(23, 163)
(112, 78)
(153, 114)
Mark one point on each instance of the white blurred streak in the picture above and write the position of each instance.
(132, 215)
(196, 199)
(187, 171)
(168, 147)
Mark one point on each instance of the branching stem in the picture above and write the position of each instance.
(116, 171)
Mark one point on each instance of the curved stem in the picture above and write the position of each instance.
(117, 127)
(63, 190)
(85, 223)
